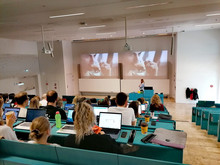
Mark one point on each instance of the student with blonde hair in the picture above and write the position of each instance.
(6, 130)
(156, 104)
(40, 131)
(85, 138)
(34, 103)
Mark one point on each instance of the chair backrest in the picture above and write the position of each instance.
(85, 157)
(123, 159)
(205, 103)
(27, 150)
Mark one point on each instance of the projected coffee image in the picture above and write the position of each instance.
(152, 64)
(99, 65)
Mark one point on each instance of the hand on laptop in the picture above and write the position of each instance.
(11, 120)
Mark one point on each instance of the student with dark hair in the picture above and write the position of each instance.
(51, 108)
(5, 97)
(128, 117)
(22, 101)
(134, 105)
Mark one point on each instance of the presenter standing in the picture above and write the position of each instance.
(141, 86)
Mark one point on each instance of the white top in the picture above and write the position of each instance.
(51, 144)
(7, 133)
(127, 114)
(22, 113)
(43, 103)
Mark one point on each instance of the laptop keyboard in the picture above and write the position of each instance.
(110, 131)
(26, 124)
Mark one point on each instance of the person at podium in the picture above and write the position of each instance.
(141, 86)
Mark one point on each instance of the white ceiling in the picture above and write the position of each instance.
(22, 19)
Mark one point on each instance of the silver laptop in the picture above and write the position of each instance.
(68, 128)
(31, 115)
(110, 123)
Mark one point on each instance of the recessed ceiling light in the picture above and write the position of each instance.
(90, 27)
(20, 84)
(26, 70)
(215, 14)
(149, 5)
(66, 15)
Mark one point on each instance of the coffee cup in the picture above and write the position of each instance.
(147, 118)
(144, 128)
(9, 114)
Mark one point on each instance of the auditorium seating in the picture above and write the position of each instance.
(13, 152)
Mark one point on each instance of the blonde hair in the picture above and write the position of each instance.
(84, 121)
(38, 127)
(155, 100)
(59, 103)
(1, 104)
(34, 103)
(75, 100)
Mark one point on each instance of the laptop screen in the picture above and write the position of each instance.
(69, 116)
(110, 120)
(16, 110)
(97, 110)
(6, 105)
(34, 113)
(69, 106)
(143, 107)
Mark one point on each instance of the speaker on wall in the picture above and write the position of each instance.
(120, 70)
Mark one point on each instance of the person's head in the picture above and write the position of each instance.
(121, 99)
(134, 105)
(103, 102)
(89, 101)
(75, 99)
(22, 99)
(155, 100)
(81, 99)
(40, 128)
(1, 104)
(34, 103)
(142, 80)
(5, 97)
(83, 121)
(141, 100)
(113, 102)
(93, 100)
(44, 97)
(52, 96)
(59, 102)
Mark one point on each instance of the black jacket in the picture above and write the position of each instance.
(51, 112)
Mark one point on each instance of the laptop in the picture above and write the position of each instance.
(68, 128)
(8, 105)
(97, 110)
(69, 106)
(110, 123)
(16, 111)
(31, 115)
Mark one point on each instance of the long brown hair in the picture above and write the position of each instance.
(155, 100)
(84, 121)
(1, 104)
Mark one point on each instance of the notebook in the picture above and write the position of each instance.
(97, 110)
(110, 123)
(68, 128)
(31, 115)
(16, 110)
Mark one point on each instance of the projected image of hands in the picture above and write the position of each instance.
(99, 65)
(150, 64)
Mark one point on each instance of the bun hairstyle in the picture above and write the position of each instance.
(38, 127)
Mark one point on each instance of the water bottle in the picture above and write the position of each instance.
(58, 119)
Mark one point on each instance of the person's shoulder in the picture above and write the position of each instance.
(4, 128)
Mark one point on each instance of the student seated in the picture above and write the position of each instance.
(22, 102)
(135, 105)
(40, 131)
(51, 108)
(156, 104)
(6, 130)
(34, 103)
(128, 117)
(85, 138)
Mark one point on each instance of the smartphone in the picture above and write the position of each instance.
(123, 134)
(153, 123)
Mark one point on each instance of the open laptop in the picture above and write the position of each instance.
(110, 123)
(97, 110)
(68, 128)
(69, 106)
(8, 105)
(16, 111)
(31, 115)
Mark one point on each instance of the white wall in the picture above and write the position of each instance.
(52, 75)
(197, 64)
(149, 43)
